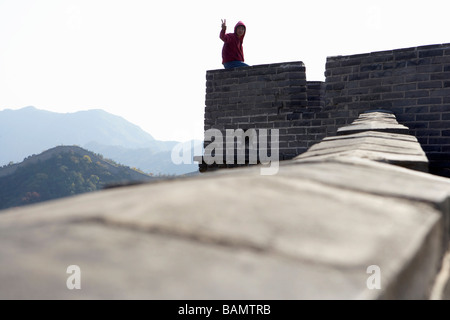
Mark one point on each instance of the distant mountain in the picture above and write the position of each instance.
(30, 131)
(147, 159)
(60, 172)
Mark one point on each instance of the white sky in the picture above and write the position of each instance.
(146, 61)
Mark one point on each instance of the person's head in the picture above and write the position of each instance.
(240, 29)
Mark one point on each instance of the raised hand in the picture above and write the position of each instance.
(224, 23)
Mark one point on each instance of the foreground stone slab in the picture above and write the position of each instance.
(309, 232)
(316, 229)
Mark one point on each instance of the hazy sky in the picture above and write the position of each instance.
(146, 60)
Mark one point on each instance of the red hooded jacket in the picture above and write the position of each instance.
(232, 47)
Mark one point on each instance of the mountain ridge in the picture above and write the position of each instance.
(53, 128)
(60, 172)
(48, 154)
(29, 130)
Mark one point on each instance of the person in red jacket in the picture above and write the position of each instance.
(232, 51)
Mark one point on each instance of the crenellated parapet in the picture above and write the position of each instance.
(411, 83)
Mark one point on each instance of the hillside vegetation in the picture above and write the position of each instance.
(60, 172)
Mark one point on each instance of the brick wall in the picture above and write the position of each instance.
(414, 83)
(272, 96)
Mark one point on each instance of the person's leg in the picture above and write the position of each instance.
(241, 64)
(234, 64)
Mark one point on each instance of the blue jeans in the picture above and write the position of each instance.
(234, 64)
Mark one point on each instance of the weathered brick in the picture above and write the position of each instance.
(445, 92)
(346, 63)
(393, 95)
(417, 94)
(340, 122)
(405, 87)
(343, 99)
(240, 119)
(334, 64)
(400, 65)
(440, 76)
(316, 130)
(427, 148)
(443, 108)
(224, 121)
(371, 67)
(418, 125)
(301, 123)
(430, 68)
(421, 109)
(359, 76)
(381, 89)
(417, 77)
(423, 62)
(370, 83)
(296, 143)
(439, 141)
(381, 74)
(429, 101)
(404, 102)
(431, 53)
(381, 104)
(440, 124)
(296, 131)
(405, 54)
(393, 80)
(342, 70)
(428, 117)
(441, 60)
(428, 132)
(429, 85)
(370, 97)
(431, 46)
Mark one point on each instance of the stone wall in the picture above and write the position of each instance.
(413, 83)
(272, 96)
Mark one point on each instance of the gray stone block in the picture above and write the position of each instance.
(374, 121)
(309, 232)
